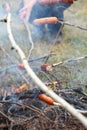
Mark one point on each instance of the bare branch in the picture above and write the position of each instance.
(4, 115)
(30, 39)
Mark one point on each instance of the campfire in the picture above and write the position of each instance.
(21, 104)
(27, 108)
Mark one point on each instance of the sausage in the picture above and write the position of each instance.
(46, 99)
(46, 67)
(21, 66)
(51, 2)
(46, 20)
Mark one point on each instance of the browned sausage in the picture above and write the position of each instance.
(47, 20)
(46, 99)
(21, 66)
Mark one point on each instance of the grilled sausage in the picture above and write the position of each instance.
(47, 20)
(46, 99)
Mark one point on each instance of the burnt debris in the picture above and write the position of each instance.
(26, 104)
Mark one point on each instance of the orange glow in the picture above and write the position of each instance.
(13, 90)
(9, 94)
(21, 88)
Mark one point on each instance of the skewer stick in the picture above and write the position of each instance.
(55, 20)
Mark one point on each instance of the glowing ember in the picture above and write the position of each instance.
(21, 88)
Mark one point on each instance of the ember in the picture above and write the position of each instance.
(21, 88)
(30, 103)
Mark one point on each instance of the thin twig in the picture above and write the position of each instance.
(21, 105)
(33, 108)
(6, 116)
(30, 39)
(69, 60)
(30, 60)
(73, 25)
(82, 111)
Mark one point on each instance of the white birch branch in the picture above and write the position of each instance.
(39, 83)
(30, 40)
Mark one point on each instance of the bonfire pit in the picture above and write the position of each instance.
(22, 109)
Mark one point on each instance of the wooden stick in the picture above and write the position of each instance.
(38, 82)
(33, 108)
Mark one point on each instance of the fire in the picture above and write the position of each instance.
(22, 88)
(19, 89)
(13, 90)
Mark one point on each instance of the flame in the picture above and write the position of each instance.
(14, 90)
(21, 88)
(9, 94)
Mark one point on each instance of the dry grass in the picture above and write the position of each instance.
(74, 43)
